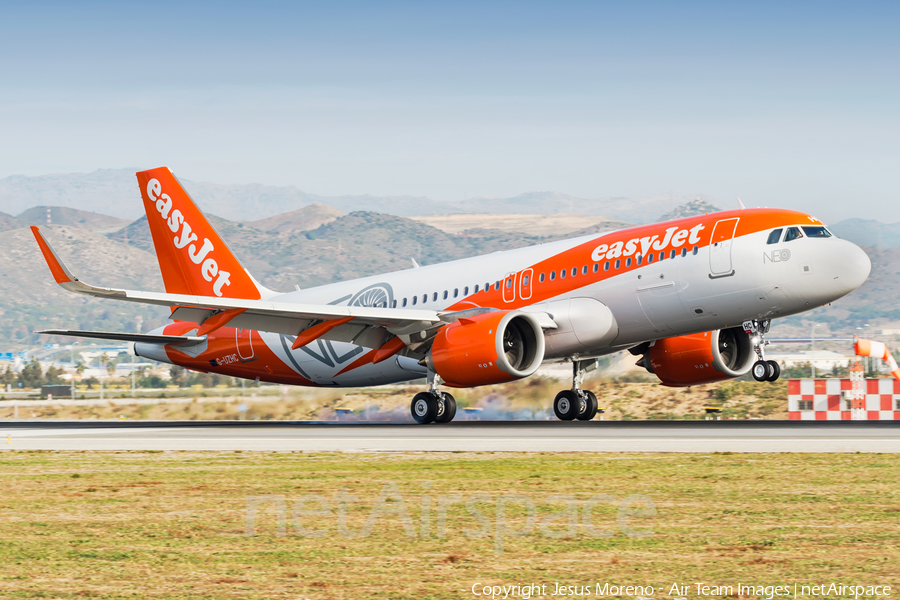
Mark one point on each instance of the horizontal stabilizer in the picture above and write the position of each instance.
(146, 338)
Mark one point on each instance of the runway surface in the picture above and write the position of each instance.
(478, 436)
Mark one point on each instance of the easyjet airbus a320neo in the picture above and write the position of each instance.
(694, 297)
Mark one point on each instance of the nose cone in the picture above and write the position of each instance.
(851, 267)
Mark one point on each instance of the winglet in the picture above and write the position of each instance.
(59, 270)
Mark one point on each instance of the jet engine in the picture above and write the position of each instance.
(493, 347)
(698, 358)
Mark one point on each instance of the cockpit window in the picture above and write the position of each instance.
(792, 234)
(775, 236)
(816, 232)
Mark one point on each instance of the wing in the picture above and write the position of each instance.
(366, 326)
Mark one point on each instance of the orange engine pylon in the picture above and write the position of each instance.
(877, 350)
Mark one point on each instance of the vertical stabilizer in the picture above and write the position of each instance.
(192, 257)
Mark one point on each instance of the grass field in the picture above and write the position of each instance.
(173, 525)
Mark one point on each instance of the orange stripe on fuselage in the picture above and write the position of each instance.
(752, 220)
(222, 348)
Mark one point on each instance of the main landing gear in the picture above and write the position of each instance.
(576, 403)
(433, 406)
(762, 369)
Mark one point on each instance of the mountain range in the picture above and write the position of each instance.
(114, 192)
(320, 244)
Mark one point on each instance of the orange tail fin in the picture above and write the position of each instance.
(192, 257)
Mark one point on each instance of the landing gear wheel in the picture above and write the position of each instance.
(589, 408)
(446, 408)
(424, 407)
(566, 405)
(774, 370)
(760, 370)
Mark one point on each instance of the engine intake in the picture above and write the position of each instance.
(493, 347)
(699, 358)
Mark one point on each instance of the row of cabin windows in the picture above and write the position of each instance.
(446, 295)
(638, 260)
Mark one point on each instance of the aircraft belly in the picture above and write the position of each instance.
(584, 325)
(322, 360)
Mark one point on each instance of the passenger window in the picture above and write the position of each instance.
(446, 293)
(394, 304)
(649, 258)
(509, 281)
(792, 234)
(695, 250)
(415, 300)
(774, 236)
(552, 275)
(456, 292)
(574, 271)
(662, 256)
(628, 262)
(672, 253)
(606, 266)
(476, 289)
(618, 263)
(496, 285)
(640, 259)
(404, 303)
(683, 252)
(562, 273)
(541, 278)
(584, 270)
(596, 267)
(525, 279)
(434, 298)
(816, 232)
(424, 298)
(466, 291)
(487, 287)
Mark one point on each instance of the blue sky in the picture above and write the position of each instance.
(781, 104)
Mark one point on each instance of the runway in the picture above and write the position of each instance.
(478, 436)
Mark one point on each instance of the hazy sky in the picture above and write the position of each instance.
(783, 104)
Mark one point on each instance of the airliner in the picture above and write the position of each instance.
(693, 298)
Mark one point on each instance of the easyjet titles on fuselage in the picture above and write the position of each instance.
(209, 268)
(674, 237)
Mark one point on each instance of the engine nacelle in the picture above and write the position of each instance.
(493, 347)
(700, 357)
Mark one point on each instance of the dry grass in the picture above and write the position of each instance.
(527, 399)
(172, 525)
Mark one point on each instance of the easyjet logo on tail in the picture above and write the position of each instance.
(186, 240)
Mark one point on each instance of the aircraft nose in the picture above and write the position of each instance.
(851, 266)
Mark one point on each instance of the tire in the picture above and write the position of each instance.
(760, 370)
(590, 407)
(424, 408)
(565, 405)
(774, 370)
(446, 408)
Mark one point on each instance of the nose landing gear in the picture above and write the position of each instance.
(762, 369)
(576, 403)
(433, 406)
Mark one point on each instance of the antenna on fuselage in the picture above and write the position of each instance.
(415, 264)
(741, 204)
